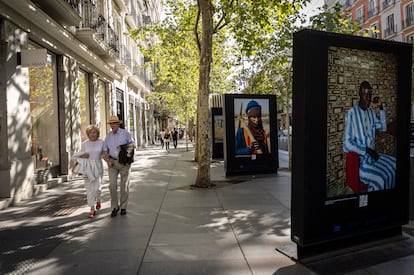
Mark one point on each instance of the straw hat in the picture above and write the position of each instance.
(114, 119)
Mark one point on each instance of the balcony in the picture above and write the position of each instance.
(121, 5)
(409, 21)
(96, 33)
(65, 12)
(387, 3)
(140, 77)
(146, 19)
(347, 4)
(372, 12)
(124, 66)
(132, 19)
(390, 31)
(360, 20)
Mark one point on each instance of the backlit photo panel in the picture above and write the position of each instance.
(350, 146)
(353, 127)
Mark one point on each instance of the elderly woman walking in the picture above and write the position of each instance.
(90, 166)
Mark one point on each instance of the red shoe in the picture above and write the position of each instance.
(98, 205)
(91, 214)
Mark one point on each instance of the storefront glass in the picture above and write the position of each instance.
(84, 103)
(102, 108)
(131, 118)
(44, 115)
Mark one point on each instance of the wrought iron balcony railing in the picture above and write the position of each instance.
(390, 31)
(372, 12)
(92, 18)
(387, 3)
(75, 4)
(409, 21)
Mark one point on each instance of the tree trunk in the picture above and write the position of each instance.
(203, 125)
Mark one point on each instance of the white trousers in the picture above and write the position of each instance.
(93, 190)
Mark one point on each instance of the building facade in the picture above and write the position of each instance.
(383, 19)
(65, 64)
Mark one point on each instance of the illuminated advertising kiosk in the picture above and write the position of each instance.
(350, 148)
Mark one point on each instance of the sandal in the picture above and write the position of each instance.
(98, 205)
(91, 214)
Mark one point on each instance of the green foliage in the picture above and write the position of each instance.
(261, 27)
(256, 32)
(171, 48)
(270, 61)
(271, 70)
(334, 20)
(171, 45)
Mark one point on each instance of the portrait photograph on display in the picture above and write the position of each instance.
(358, 121)
(250, 123)
(252, 127)
(217, 131)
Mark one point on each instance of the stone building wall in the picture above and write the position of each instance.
(347, 68)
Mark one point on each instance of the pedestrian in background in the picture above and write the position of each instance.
(161, 138)
(116, 139)
(175, 137)
(90, 166)
(167, 139)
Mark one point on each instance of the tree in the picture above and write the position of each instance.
(334, 20)
(257, 29)
(256, 25)
(275, 77)
(171, 50)
(171, 46)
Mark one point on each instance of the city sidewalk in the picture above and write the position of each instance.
(170, 228)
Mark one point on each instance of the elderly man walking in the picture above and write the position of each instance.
(116, 141)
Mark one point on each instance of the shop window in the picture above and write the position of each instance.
(44, 115)
(102, 94)
(131, 118)
(120, 106)
(84, 103)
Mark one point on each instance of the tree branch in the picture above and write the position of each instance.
(197, 38)
(222, 22)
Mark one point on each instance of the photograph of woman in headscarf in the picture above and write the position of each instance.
(251, 137)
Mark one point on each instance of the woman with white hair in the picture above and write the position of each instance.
(90, 166)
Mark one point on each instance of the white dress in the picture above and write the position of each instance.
(93, 183)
